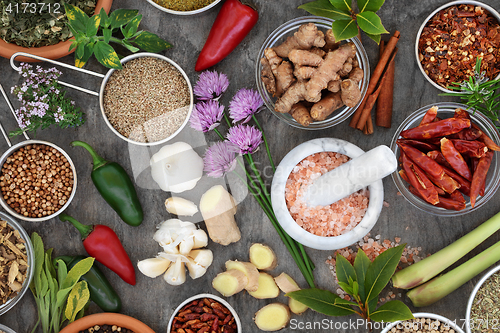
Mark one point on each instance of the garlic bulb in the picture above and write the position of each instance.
(153, 267)
(176, 167)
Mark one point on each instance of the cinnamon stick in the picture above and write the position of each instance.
(383, 115)
(377, 74)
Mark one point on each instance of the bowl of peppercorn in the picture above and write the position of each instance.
(107, 322)
(184, 7)
(453, 37)
(37, 180)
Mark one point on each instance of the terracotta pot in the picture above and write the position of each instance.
(107, 318)
(55, 51)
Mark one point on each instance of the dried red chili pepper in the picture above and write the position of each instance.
(464, 183)
(461, 113)
(233, 23)
(402, 173)
(447, 184)
(480, 176)
(423, 161)
(429, 116)
(471, 148)
(420, 145)
(420, 181)
(438, 157)
(449, 203)
(435, 129)
(457, 196)
(102, 243)
(486, 139)
(455, 159)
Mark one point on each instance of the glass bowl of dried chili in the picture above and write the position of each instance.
(458, 182)
(184, 7)
(277, 37)
(455, 34)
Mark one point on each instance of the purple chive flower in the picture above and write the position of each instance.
(210, 85)
(247, 138)
(244, 105)
(206, 115)
(219, 159)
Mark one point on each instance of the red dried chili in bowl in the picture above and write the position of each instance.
(453, 37)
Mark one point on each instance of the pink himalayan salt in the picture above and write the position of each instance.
(333, 220)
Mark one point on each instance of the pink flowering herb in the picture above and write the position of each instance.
(245, 103)
(246, 138)
(220, 158)
(206, 115)
(210, 85)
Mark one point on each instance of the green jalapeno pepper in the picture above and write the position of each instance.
(115, 186)
(101, 291)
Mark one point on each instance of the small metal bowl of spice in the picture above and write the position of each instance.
(17, 262)
(451, 39)
(209, 311)
(483, 308)
(149, 101)
(37, 180)
(424, 323)
(184, 7)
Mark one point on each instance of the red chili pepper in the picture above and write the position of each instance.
(461, 113)
(449, 203)
(471, 148)
(486, 139)
(447, 184)
(233, 23)
(455, 159)
(457, 196)
(464, 183)
(403, 175)
(429, 116)
(468, 134)
(438, 128)
(423, 161)
(438, 157)
(102, 243)
(420, 181)
(420, 145)
(480, 176)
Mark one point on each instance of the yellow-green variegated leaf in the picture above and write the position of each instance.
(76, 17)
(121, 17)
(106, 55)
(93, 25)
(77, 299)
(326, 9)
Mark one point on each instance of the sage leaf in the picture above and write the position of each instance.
(343, 30)
(344, 269)
(392, 311)
(44, 284)
(325, 8)
(322, 301)
(131, 28)
(93, 25)
(370, 5)
(150, 42)
(361, 263)
(39, 254)
(344, 5)
(82, 267)
(381, 270)
(121, 17)
(375, 38)
(77, 299)
(62, 271)
(107, 56)
(370, 23)
(76, 17)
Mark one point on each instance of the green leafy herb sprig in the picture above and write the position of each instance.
(88, 42)
(363, 282)
(479, 93)
(59, 294)
(347, 20)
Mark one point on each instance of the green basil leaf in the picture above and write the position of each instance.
(343, 30)
(129, 46)
(392, 311)
(150, 42)
(107, 35)
(381, 270)
(344, 5)
(344, 269)
(370, 23)
(121, 17)
(106, 55)
(105, 21)
(370, 5)
(131, 28)
(361, 263)
(322, 301)
(76, 17)
(325, 8)
(93, 25)
(77, 299)
(376, 39)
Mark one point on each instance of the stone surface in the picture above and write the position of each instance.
(152, 300)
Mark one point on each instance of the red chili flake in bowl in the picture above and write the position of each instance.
(452, 40)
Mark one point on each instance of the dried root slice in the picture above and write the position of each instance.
(272, 317)
(287, 285)
(267, 287)
(262, 256)
(301, 114)
(230, 282)
(249, 270)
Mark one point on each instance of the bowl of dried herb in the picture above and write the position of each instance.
(184, 7)
(40, 29)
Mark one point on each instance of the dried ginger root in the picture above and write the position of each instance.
(328, 70)
(293, 95)
(304, 72)
(284, 77)
(267, 76)
(330, 42)
(325, 107)
(305, 38)
(356, 75)
(351, 94)
(346, 69)
(334, 86)
(305, 58)
(301, 114)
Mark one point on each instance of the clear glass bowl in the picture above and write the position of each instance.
(446, 110)
(277, 37)
(31, 262)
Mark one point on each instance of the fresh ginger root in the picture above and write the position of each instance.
(325, 107)
(287, 285)
(284, 77)
(249, 270)
(301, 114)
(305, 58)
(328, 70)
(346, 69)
(293, 95)
(267, 287)
(304, 72)
(267, 76)
(318, 51)
(272, 317)
(330, 42)
(356, 75)
(305, 38)
(350, 93)
(334, 86)
(262, 256)
(230, 282)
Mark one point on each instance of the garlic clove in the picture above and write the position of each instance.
(195, 270)
(200, 238)
(153, 267)
(170, 230)
(202, 257)
(186, 245)
(180, 206)
(176, 273)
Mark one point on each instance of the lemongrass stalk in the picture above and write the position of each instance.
(219, 134)
(428, 268)
(443, 285)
